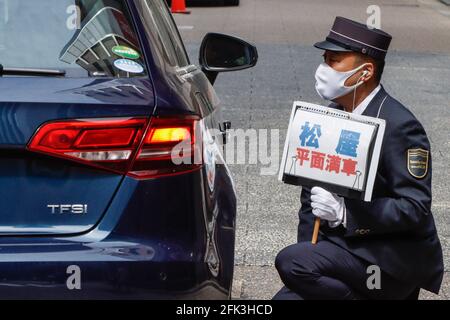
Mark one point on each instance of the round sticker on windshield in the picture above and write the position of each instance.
(126, 52)
(128, 66)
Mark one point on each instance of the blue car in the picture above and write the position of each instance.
(112, 181)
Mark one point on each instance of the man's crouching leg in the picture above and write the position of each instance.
(326, 271)
(319, 271)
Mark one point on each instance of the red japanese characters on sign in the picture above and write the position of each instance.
(327, 162)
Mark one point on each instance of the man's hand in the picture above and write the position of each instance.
(328, 206)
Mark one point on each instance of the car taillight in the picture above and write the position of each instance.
(170, 147)
(128, 146)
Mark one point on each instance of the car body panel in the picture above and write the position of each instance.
(170, 237)
(154, 251)
(46, 181)
(27, 103)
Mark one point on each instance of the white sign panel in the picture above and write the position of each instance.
(332, 147)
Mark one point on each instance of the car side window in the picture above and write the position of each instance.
(168, 33)
(182, 56)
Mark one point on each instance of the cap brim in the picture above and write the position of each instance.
(327, 45)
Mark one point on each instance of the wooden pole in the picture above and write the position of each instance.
(316, 231)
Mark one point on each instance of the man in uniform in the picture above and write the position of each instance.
(395, 232)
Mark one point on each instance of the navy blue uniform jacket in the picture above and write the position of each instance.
(396, 230)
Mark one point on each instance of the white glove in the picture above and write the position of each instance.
(328, 206)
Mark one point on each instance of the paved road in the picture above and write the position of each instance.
(417, 73)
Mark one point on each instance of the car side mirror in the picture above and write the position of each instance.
(223, 53)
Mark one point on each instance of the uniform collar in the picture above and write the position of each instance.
(365, 103)
(373, 108)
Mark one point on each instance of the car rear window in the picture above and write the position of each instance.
(84, 38)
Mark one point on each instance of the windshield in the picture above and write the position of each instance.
(83, 38)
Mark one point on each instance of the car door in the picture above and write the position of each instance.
(189, 81)
(195, 88)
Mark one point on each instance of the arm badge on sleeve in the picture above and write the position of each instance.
(418, 162)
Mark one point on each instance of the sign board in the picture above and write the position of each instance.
(333, 149)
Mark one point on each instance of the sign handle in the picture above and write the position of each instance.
(316, 231)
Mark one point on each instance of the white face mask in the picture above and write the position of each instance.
(330, 84)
